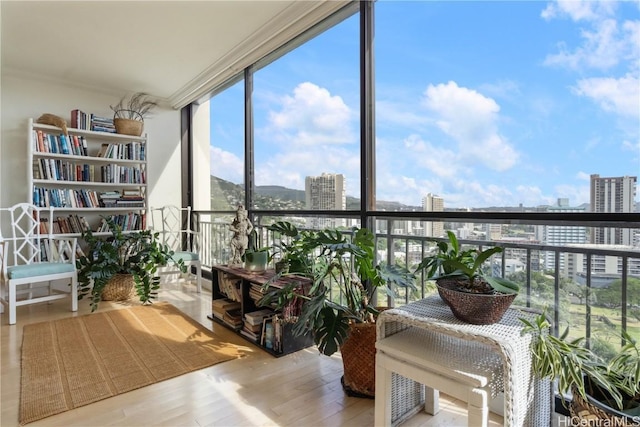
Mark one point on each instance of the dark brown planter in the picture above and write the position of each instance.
(595, 409)
(474, 308)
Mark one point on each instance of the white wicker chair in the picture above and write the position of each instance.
(175, 227)
(29, 258)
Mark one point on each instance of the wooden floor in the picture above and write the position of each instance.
(301, 389)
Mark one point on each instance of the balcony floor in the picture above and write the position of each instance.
(301, 389)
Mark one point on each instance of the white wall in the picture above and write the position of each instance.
(23, 98)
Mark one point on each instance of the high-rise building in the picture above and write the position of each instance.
(433, 203)
(612, 195)
(325, 192)
(561, 235)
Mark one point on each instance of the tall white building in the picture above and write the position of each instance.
(325, 192)
(612, 195)
(561, 235)
(433, 203)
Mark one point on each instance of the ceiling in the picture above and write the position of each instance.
(174, 50)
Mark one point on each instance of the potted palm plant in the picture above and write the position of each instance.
(473, 296)
(338, 307)
(113, 268)
(602, 389)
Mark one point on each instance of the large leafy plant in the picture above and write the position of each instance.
(344, 278)
(138, 253)
(451, 261)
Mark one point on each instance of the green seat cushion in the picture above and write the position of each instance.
(39, 269)
(185, 256)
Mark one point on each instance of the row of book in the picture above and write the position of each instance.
(254, 324)
(65, 198)
(82, 120)
(124, 151)
(227, 311)
(51, 252)
(83, 198)
(61, 224)
(61, 170)
(131, 198)
(230, 286)
(59, 144)
(131, 221)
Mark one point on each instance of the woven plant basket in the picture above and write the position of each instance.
(128, 126)
(359, 359)
(477, 309)
(592, 412)
(120, 287)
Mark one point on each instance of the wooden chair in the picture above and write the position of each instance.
(175, 227)
(30, 258)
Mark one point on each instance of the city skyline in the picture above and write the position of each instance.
(471, 107)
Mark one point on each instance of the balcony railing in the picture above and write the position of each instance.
(578, 290)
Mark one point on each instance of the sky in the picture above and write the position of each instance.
(483, 103)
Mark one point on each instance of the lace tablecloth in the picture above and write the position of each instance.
(528, 400)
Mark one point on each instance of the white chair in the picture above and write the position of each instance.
(175, 227)
(29, 258)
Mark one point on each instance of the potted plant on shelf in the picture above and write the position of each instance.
(472, 295)
(115, 267)
(294, 252)
(601, 389)
(129, 113)
(255, 258)
(337, 308)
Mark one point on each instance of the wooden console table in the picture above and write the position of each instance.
(527, 399)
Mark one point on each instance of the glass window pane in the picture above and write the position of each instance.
(306, 116)
(503, 105)
(227, 148)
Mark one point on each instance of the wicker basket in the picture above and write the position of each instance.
(359, 359)
(592, 412)
(120, 287)
(477, 309)
(128, 126)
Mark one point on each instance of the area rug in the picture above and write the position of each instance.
(72, 362)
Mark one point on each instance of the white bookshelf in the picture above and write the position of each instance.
(73, 173)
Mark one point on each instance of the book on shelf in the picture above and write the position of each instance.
(221, 305)
(233, 318)
(230, 286)
(251, 335)
(256, 317)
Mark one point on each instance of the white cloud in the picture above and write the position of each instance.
(617, 95)
(312, 116)
(602, 48)
(226, 165)
(606, 43)
(471, 119)
(290, 167)
(583, 176)
(438, 160)
(577, 194)
(578, 10)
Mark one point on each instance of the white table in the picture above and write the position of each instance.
(527, 400)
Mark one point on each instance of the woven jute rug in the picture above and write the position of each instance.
(76, 361)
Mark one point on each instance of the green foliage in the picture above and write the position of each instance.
(451, 261)
(331, 261)
(137, 253)
(612, 295)
(572, 364)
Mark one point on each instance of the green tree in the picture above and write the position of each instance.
(612, 295)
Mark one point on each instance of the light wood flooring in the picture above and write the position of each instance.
(301, 389)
